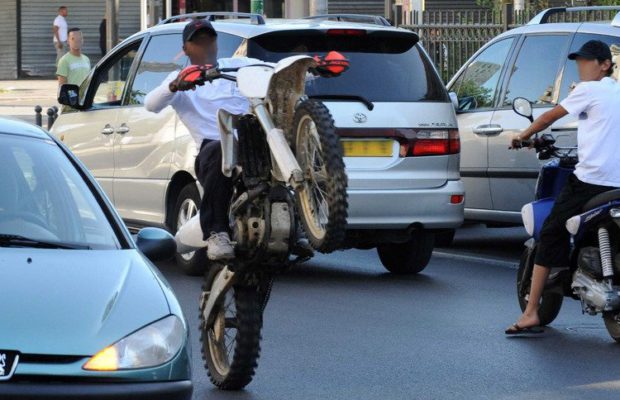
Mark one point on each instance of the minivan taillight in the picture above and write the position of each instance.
(431, 143)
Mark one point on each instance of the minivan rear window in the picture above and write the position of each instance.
(385, 66)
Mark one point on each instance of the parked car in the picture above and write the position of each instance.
(84, 312)
(394, 115)
(531, 62)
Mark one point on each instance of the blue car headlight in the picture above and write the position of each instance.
(153, 345)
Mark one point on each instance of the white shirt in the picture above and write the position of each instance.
(198, 109)
(597, 105)
(61, 23)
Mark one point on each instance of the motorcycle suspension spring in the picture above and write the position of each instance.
(605, 250)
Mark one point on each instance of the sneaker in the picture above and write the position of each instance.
(219, 247)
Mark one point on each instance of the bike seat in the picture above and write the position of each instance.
(601, 199)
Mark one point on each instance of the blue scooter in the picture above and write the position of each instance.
(593, 274)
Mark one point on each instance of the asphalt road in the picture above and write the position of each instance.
(340, 327)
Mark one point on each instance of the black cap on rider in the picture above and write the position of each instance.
(592, 50)
(195, 26)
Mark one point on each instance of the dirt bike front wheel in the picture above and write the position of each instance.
(322, 200)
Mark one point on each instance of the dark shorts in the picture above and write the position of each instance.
(554, 245)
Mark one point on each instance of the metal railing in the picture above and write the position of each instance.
(452, 37)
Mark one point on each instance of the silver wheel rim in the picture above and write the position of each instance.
(222, 336)
(313, 195)
(187, 210)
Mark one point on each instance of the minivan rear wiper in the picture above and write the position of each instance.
(360, 99)
(9, 240)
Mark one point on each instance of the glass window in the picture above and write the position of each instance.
(112, 78)
(164, 54)
(477, 85)
(399, 68)
(227, 44)
(535, 72)
(44, 198)
(571, 76)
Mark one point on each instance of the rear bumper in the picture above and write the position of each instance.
(399, 209)
(181, 390)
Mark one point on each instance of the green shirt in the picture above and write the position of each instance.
(75, 69)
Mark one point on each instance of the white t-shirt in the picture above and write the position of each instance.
(597, 105)
(198, 109)
(61, 23)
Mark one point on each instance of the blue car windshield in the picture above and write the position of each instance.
(44, 199)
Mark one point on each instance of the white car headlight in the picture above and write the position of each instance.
(153, 345)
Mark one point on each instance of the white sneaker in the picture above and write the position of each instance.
(219, 247)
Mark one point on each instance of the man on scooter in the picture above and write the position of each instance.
(197, 107)
(596, 102)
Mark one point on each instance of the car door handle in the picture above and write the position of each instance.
(123, 129)
(488, 130)
(107, 130)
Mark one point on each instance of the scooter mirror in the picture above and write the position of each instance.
(523, 107)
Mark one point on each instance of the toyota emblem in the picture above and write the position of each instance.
(360, 118)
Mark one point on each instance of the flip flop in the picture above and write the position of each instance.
(515, 329)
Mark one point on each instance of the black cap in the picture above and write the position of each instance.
(592, 50)
(195, 26)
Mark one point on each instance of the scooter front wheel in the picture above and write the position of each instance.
(550, 304)
(322, 200)
(230, 346)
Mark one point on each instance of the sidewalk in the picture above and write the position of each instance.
(19, 97)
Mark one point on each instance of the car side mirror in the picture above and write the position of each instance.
(156, 244)
(69, 95)
(523, 107)
(454, 99)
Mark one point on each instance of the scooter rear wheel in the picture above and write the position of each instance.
(612, 323)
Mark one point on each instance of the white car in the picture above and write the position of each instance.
(393, 113)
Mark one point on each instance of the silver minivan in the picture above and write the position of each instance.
(531, 62)
(392, 112)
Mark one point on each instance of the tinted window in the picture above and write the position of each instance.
(227, 44)
(534, 74)
(45, 198)
(111, 79)
(164, 54)
(571, 76)
(384, 66)
(477, 85)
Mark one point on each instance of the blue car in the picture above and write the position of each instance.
(84, 312)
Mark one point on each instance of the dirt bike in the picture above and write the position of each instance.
(286, 162)
(593, 276)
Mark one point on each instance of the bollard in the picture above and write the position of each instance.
(50, 118)
(38, 118)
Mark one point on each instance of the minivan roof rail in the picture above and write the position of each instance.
(543, 16)
(373, 19)
(256, 19)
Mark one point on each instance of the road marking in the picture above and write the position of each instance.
(483, 260)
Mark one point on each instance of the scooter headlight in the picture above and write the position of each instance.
(527, 215)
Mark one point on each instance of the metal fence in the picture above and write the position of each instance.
(452, 37)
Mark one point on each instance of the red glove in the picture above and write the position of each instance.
(189, 78)
(332, 65)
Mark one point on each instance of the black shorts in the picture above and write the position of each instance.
(554, 245)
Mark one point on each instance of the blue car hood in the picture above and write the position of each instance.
(74, 302)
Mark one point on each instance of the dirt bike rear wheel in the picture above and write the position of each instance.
(231, 346)
(322, 201)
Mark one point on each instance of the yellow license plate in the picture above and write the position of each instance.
(368, 148)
